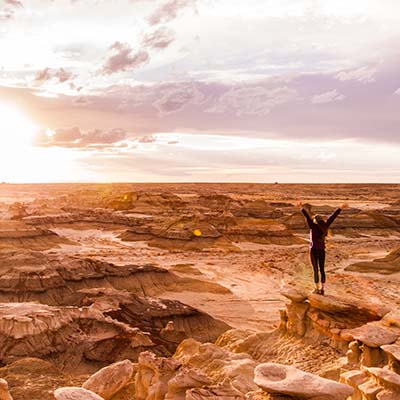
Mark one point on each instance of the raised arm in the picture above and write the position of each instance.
(308, 218)
(332, 217)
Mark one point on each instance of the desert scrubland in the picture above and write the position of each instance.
(197, 291)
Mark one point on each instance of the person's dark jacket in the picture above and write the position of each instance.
(317, 236)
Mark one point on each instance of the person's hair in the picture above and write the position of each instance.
(322, 225)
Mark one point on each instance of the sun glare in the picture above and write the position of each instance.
(17, 131)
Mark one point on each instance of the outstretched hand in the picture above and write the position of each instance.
(306, 206)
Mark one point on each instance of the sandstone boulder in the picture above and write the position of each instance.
(288, 380)
(109, 380)
(75, 393)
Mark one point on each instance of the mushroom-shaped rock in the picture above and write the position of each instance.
(373, 334)
(294, 294)
(4, 392)
(360, 311)
(109, 380)
(288, 380)
(75, 393)
(393, 350)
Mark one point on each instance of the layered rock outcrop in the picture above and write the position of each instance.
(73, 338)
(18, 235)
(57, 279)
(385, 266)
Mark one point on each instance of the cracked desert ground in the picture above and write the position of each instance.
(197, 275)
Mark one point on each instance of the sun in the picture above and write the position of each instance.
(17, 131)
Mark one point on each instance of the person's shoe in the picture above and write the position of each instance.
(322, 292)
(316, 291)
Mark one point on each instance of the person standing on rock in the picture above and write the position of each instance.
(319, 230)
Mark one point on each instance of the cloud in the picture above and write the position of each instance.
(175, 97)
(66, 135)
(14, 3)
(124, 58)
(8, 11)
(169, 11)
(327, 97)
(74, 137)
(159, 39)
(252, 100)
(365, 74)
(60, 75)
(397, 92)
(147, 139)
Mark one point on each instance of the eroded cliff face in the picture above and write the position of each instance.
(82, 314)
(58, 279)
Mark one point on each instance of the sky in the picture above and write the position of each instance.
(200, 91)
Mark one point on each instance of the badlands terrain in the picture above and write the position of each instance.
(197, 291)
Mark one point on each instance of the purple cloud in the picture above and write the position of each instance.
(159, 39)
(252, 99)
(74, 137)
(169, 11)
(124, 58)
(8, 12)
(175, 97)
(14, 3)
(47, 74)
(327, 97)
(364, 74)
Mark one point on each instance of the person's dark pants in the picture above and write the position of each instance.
(318, 263)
